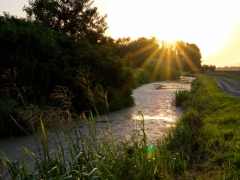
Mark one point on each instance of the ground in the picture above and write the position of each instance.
(228, 85)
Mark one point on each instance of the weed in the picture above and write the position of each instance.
(180, 97)
(203, 145)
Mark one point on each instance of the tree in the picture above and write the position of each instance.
(193, 55)
(68, 16)
(212, 67)
(189, 56)
(205, 67)
(139, 52)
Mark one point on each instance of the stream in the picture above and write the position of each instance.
(152, 101)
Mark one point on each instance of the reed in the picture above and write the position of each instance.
(180, 97)
(204, 144)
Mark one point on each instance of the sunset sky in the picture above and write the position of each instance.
(213, 25)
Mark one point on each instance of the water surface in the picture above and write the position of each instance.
(153, 102)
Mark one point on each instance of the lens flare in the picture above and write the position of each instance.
(150, 152)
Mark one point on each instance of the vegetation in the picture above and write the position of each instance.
(35, 60)
(91, 158)
(178, 55)
(203, 145)
(180, 97)
(58, 63)
(230, 68)
(69, 17)
(208, 67)
(208, 132)
(222, 74)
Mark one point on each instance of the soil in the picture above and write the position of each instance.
(229, 86)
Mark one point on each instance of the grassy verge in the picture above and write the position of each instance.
(205, 144)
(208, 133)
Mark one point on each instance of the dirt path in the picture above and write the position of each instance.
(225, 86)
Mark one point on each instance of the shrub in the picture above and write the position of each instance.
(180, 97)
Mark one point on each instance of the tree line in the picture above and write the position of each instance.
(210, 67)
(57, 63)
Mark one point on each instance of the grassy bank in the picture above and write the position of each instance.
(205, 144)
(208, 133)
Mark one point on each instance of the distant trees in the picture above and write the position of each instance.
(228, 68)
(138, 52)
(208, 67)
(179, 55)
(212, 67)
(68, 16)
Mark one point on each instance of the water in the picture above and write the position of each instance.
(153, 102)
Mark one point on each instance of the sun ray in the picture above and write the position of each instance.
(190, 63)
(168, 69)
(159, 62)
(178, 61)
(145, 63)
(142, 50)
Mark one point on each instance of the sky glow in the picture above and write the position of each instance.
(214, 26)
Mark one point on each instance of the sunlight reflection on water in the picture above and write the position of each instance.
(146, 117)
(153, 102)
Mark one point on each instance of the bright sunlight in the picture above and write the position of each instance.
(199, 22)
(208, 24)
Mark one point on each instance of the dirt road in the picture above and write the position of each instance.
(229, 86)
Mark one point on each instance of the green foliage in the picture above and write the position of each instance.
(140, 53)
(208, 67)
(8, 128)
(208, 132)
(180, 97)
(188, 56)
(35, 59)
(96, 155)
(53, 59)
(203, 145)
(75, 17)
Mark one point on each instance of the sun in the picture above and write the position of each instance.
(199, 22)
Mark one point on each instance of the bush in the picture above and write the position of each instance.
(180, 97)
(8, 128)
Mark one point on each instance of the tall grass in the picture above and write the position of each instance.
(180, 97)
(203, 145)
(208, 132)
(97, 155)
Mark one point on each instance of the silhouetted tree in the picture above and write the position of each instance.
(138, 52)
(193, 56)
(212, 67)
(208, 67)
(46, 58)
(188, 55)
(205, 67)
(68, 16)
